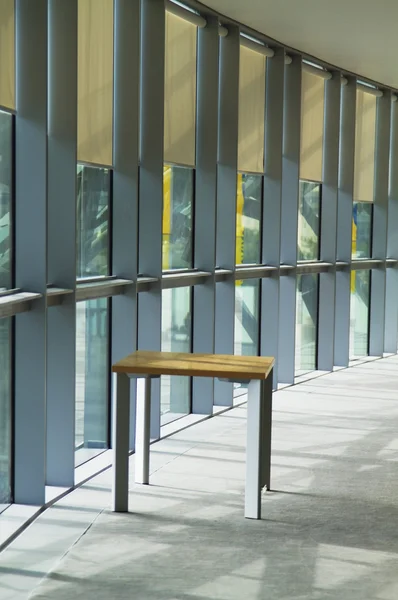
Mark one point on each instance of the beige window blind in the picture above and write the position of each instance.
(180, 91)
(312, 115)
(365, 138)
(7, 53)
(251, 110)
(95, 81)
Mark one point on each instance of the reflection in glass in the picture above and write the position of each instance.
(308, 221)
(361, 229)
(248, 219)
(5, 411)
(247, 311)
(5, 199)
(306, 323)
(359, 313)
(177, 217)
(92, 374)
(93, 190)
(176, 337)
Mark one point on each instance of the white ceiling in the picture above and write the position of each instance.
(356, 35)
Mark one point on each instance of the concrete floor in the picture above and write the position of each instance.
(329, 528)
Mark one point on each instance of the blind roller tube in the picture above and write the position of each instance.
(184, 13)
(365, 140)
(180, 91)
(251, 110)
(318, 72)
(260, 48)
(312, 125)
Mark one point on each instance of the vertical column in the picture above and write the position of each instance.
(125, 182)
(30, 249)
(226, 202)
(344, 222)
(327, 281)
(151, 185)
(379, 230)
(272, 198)
(205, 206)
(61, 243)
(391, 316)
(289, 219)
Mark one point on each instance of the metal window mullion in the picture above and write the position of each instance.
(30, 250)
(344, 222)
(151, 185)
(125, 183)
(272, 201)
(61, 243)
(328, 240)
(226, 202)
(289, 219)
(391, 316)
(205, 207)
(379, 226)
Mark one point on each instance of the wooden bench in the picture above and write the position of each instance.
(256, 371)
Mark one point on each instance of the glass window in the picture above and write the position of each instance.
(5, 200)
(92, 375)
(5, 411)
(362, 229)
(248, 219)
(359, 313)
(308, 221)
(93, 199)
(306, 324)
(247, 312)
(176, 337)
(177, 217)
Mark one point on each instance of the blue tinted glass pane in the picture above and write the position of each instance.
(359, 316)
(308, 221)
(5, 411)
(362, 229)
(5, 199)
(93, 185)
(176, 337)
(248, 219)
(247, 311)
(306, 323)
(177, 217)
(92, 374)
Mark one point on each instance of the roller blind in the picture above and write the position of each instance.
(312, 115)
(365, 137)
(95, 81)
(180, 91)
(7, 53)
(251, 111)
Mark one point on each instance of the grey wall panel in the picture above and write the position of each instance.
(226, 202)
(379, 230)
(151, 183)
(272, 202)
(31, 249)
(61, 243)
(328, 232)
(344, 222)
(205, 207)
(289, 219)
(125, 181)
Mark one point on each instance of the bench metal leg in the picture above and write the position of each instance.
(258, 445)
(142, 435)
(253, 452)
(267, 431)
(120, 442)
